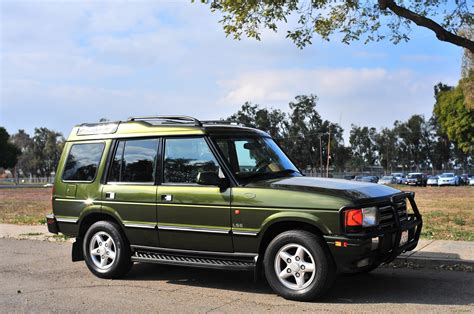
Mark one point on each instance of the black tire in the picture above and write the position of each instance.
(324, 267)
(121, 264)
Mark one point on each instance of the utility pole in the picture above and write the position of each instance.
(321, 154)
(329, 152)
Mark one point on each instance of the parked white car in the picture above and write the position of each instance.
(388, 180)
(432, 180)
(401, 178)
(448, 179)
(471, 180)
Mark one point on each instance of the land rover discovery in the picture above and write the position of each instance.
(176, 190)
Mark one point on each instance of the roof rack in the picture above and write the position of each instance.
(168, 119)
(221, 122)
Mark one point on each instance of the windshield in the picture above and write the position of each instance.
(447, 175)
(255, 158)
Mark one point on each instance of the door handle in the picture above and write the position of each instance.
(167, 197)
(110, 195)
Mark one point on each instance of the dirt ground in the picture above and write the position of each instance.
(448, 212)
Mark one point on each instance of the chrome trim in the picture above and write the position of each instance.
(193, 229)
(69, 200)
(245, 233)
(124, 203)
(142, 226)
(67, 220)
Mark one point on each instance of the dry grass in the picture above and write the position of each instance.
(448, 212)
(25, 205)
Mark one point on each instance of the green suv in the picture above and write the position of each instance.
(176, 190)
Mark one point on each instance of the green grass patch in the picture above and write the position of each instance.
(31, 234)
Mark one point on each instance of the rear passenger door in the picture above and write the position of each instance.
(192, 216)
(130, 188)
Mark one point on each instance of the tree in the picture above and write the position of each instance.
(414, 142)
(363, 145)
(386, 143)
(455, 118)
(8, 152)
(25, 144)
(268, 120)
(47, 148)
(355, 20)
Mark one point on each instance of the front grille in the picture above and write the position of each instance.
(387, 219)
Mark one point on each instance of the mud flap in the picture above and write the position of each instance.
(76, 253)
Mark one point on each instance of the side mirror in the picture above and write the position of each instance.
(209, 178)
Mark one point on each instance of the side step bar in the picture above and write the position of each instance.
(219, 262)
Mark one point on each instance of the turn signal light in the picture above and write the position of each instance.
(353, 217)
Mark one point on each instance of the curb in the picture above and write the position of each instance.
(434, 263)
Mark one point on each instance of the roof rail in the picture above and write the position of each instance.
(168, 119)
(222, 122)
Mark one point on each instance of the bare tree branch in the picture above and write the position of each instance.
(441, 33)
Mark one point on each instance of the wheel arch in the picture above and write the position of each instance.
(282, 224)
(92, 217)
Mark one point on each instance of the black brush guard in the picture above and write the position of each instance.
(390, 247)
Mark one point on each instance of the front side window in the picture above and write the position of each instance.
(82, 162)
(255, 158)
(185, 158)
(134, 161)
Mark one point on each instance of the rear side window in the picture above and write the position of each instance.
(134, 161)
(83, 161)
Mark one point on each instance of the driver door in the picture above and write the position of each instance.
(192, 216)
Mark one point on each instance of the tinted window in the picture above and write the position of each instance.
(83, 161)
(255, 158)
(185, 158)
(134, 161)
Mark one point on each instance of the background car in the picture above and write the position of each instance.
(448, 178)
(358, 178)
(401, 178)
(417, 179)
(432, 180)
(465, 179)
(471, 180)
(388, 180)
(373, 179)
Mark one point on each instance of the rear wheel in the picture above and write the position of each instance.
(106, 251)
(298, 265)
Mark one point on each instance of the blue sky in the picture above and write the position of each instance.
(69, 62)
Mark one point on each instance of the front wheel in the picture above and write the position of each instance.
(106, 251)
(298, 265)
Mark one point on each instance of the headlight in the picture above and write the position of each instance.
(370, 216)
(365, 217)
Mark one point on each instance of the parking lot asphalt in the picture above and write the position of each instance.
(38, 276)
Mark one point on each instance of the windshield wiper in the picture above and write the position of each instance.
(258, 176)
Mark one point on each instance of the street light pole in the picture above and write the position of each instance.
(321, 154)
(329, 153)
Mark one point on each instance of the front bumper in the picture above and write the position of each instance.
(356, 252)
(447, 183)
(52, 224)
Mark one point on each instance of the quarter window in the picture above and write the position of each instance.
(134, 161)
(185, 158)
(82, 162)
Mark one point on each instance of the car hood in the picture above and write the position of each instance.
(351, 190)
